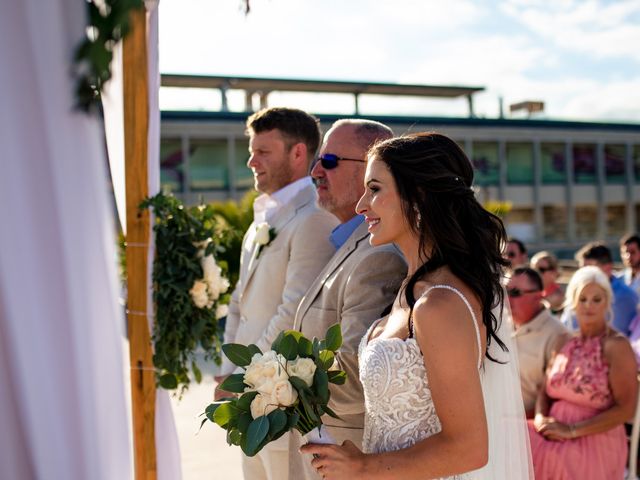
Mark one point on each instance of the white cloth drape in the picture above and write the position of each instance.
(62, 388)
(167, 445)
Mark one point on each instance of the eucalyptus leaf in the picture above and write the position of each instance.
(234, 383)
(233, 437)
(277, 422)
(168, 381)
(330, 412)
(288, 347)
(239, 354)
(244, 402)
(321, 382)
(244, 420)
(333, 337)
(211, 409)
(299, 384)
(292, 420)
(305, 347)
(256, 433)
(325, 359)
(253, 349)
(225, 413)
(275, 345)
(337, 377)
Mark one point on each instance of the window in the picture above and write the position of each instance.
(555, 219)
(485, 163)
(586, 222)
(614, 167)
(208, 165)
(171, 165)
(244, 177)
(584, 163)
(616, 221)
(552, 162)
(520, 163)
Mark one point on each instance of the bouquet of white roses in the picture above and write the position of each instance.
(283, 389)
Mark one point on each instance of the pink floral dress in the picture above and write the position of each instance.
(578, 383)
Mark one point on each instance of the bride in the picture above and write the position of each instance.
(440, 377)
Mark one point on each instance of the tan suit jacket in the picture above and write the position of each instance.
(272, 283)
(353, 290)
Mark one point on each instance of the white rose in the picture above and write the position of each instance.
(199, 294)
(222, 310)
(253, 374)
(303, 368)
(262, 405)
(284, 394)
(262, 234)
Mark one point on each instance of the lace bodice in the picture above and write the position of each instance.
(399, 410)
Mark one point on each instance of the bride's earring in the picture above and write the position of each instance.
(418, 216)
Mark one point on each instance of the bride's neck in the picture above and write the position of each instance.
(410, 248)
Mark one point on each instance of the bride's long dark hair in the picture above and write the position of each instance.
(433, 178)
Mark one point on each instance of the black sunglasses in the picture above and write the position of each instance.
(545, 269)
(516, 292)
(330, 161)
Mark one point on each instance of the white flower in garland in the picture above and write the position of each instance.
(207, 290)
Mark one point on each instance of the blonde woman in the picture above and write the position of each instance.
(590, 391)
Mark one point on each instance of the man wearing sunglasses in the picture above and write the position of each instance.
(516, 253)
(538, 333)
(277, 267)
(356, 286)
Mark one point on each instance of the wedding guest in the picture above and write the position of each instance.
(357, 284)
(283, 251)
(546, 264)
(516, 253)
(625, 300)
(539, 335)
(630, 254)
(442, 394)
(590, 391)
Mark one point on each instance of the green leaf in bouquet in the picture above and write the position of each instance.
(234, 436)
(275, 345)
(309, 411)
(330, 412)
(321, 382)
(234, 383)
(325, 359)
(305, 347)
(292, 421)
(196, 371)
(253, 349)
(244, 420)
(256, 433)
(299, 384)
(333, 338)
(288, 346)
(296, 334)
(244, 402)
(277, 422)
(226, 413)
(337, 377)
(240, 355)
(168, 381)
(318, 346)
(204, 420)
(211, 409)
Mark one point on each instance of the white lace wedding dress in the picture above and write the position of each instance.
(400, 411)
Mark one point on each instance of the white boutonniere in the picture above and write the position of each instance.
(265, 234)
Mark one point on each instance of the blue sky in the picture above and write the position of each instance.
(581, 57)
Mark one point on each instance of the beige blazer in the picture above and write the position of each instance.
(354, 289)
(272, 283)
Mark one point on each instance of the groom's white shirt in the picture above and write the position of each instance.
(272, 283)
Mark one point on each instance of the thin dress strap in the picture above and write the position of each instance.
(466, 302)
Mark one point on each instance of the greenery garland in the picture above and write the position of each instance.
(187, 304)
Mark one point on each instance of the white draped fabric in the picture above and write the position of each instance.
(167, 445)
(62, 382)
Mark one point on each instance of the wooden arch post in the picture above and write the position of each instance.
(136, 127)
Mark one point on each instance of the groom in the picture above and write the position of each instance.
(282, 252)
(356, 286)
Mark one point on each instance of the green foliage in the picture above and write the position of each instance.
(181, 327)
(108, 24)
(308, 405)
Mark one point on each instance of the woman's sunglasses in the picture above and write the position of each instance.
(330, 161)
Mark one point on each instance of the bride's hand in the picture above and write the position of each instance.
(334, 462)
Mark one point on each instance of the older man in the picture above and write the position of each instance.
(283, 251)
(356, 286)
(539, 335)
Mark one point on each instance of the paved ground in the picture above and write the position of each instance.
(205, 454)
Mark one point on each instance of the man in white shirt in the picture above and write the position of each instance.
(283, 251)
